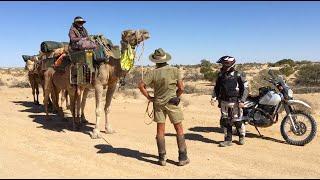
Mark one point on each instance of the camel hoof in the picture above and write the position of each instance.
(84, 120)
(95, 134)
(61, 114)
(73, 127)
(109, 131)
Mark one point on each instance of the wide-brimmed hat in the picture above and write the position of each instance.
(160, 56)
(79, 19)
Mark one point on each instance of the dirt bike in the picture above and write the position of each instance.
(297, 128)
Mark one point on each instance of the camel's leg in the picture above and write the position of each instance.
(43, 84)
(37, 92)
(98, 94)
(63, 98)
(32, 83)
(55, 99)
(67, 99)
(46, 92)
(72, 95)
(78, 101)
(109, 95)
(83, 104)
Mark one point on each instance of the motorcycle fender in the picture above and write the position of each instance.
(292, 102)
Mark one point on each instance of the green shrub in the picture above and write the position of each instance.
(259, 81)
(287, 70)
(309, 75)
(211, 75)
(289, 62)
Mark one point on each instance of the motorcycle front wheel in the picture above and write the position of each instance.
(305, 131)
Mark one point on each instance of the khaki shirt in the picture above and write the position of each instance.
(164, 82)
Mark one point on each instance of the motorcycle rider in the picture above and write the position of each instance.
(231, 91)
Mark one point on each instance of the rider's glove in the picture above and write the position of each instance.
(213, 100)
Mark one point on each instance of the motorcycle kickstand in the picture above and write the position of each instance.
(258, 131)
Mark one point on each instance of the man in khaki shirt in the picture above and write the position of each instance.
(168, 87)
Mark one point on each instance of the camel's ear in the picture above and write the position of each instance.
(25, 58)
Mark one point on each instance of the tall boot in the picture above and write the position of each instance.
(161, 150)
(183, 157)
(241, 132)
(227, 136)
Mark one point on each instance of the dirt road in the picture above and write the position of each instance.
(31, 147)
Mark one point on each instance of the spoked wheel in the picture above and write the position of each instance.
(304, 131)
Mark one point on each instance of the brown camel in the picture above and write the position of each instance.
(108, 74)
(45, 77)
(33, 76)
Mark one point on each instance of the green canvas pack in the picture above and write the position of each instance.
(26, 58)
(82, 67)
(83, 57)
(49, 46)
(80, 74)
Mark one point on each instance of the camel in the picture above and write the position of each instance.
(36, 78)
(107, 76)
(33, 76)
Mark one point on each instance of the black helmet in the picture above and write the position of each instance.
(79, 19)
(227, 61)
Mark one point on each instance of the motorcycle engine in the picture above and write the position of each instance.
(261, 118)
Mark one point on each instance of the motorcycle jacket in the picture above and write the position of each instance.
(231, 86)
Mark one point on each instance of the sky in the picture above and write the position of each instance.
(189, 31)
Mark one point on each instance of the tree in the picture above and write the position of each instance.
(206, 70)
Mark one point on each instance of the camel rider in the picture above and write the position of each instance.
(77, 32)
(231, 91)
(168, 87)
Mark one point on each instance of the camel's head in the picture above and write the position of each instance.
(134, 37)
(130, 39)
(30, 62)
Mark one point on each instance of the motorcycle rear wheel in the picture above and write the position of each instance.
(289, 134)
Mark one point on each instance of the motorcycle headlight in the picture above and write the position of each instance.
(290, 93)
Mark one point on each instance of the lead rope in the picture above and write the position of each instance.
(150, 114)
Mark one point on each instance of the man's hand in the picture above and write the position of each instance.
(241, 105)
(213, 101)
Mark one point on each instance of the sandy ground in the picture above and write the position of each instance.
(31, 147)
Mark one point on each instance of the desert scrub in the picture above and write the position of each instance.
(309, 75)
(287, 70)
(20, 84)
(2, 83)
(191, 75)
(259, 81)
